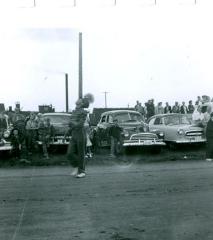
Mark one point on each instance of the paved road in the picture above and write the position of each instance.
(167, 200)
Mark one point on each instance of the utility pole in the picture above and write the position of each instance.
(80, 87)
(66, 91)
(105, 98)
(34, 3)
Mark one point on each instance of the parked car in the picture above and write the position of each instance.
(5, 131)
(60, 123)
(177, 128)
(134, 130)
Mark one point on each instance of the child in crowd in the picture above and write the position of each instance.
(44, 133)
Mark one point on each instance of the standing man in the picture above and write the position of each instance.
(209, 138)
(167, 108)
(115, 133)
(183, 108)
(191, 107)
(76, 149)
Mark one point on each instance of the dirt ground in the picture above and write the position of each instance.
(131, 198)
(135, 155)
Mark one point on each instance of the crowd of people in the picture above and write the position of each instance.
(150, 108)
(27, 131)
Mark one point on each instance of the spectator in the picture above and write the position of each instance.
(159, 108)
(115, 133)
(20, 133)
(16, 144)
(141, 110)
(209, 137)
(197, 116)
(206, 117)
(88, 140)
(31, 133)
(199, 100)
(167, 108)
(150, 107)
(176, 108)
(191, 107)
(183, 108)
(44, 135)
(137, 106)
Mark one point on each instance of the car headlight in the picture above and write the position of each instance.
(126, 134)
(6, 134)
(161, 134)
(181, 132)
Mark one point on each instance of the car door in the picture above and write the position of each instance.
(156, 124)
(102, 131)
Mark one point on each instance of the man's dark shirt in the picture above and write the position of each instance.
(115, 131)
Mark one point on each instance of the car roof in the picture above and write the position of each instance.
(167, 114)
(56, 114)
(119, 111)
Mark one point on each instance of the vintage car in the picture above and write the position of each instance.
(60, 123)
(177, 128)
(135, 131)
(5, 131)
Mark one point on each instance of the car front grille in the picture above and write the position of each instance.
(144, 136)
(194, 133)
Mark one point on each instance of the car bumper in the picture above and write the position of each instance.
(57, 141)
(128, 143)
(190, 141)
(6, 147)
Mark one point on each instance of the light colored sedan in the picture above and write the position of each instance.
(177, 128)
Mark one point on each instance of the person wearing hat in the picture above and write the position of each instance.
(209, 138)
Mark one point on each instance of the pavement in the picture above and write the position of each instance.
(165, 200)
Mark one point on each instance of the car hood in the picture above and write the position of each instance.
(130, 125)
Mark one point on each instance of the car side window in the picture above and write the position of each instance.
(110, 119)
(157, 121)
(103, 119)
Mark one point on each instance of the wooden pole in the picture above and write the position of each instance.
(80, 87)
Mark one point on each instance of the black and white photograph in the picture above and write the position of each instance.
(106, 120)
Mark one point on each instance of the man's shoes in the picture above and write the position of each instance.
(74, 172)
(81, 175)
(208, 159)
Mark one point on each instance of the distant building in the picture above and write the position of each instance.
(46, 108)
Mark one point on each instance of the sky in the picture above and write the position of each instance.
(162, 52)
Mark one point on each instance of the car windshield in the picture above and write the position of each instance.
(58, 119)
(177, 120)
(128, 117)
